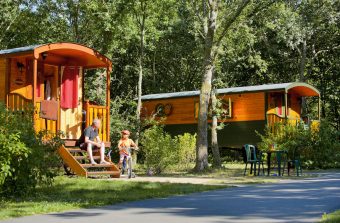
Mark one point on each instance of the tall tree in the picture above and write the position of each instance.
(210, 24)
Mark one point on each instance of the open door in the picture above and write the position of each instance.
(71, 102)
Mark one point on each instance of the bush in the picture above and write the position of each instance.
(27, 159)
(162, 151)
(316, 148)
(159, 148)
(324, 151)
(186, 147)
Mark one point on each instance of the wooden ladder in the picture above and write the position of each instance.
(75, 159)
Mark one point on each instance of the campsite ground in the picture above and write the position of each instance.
(69, 193)
(298, 200)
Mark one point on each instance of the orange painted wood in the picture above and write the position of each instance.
(71, 162)
(99, 112)
(3, 82)
(88, 165)
(72, 143)
(245, 107)
(17, 102)
(77, 55)
(113, 173)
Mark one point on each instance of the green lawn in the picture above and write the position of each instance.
(333, 217)
(72, 193)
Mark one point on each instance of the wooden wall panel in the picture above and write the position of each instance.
(49, 72)
(295, 107)
(182, 110)
(2, 80)
(71, 119)
(245, 107)
(23, 88)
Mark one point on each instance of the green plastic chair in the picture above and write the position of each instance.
(295, 163)
(252, 158)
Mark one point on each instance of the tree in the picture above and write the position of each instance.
(212, 42)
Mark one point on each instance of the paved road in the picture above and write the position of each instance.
(287, 201)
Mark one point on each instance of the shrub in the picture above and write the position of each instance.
(186, 147)
(162, 151)
(324, 151)
(159, 148)
(27, 158)
(316, 148)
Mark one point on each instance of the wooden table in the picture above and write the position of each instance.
(279, 155)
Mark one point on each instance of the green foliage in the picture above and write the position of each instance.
(333, 217)
(186, 150)
(12, 150)
(159, 148)
(285, 137)
(316, 148)
(264, 45)
(122, 117)
(325, 148)
(162, 151)
(27, 159)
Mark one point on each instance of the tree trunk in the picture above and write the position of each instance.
(140, 73)
(214, 139)
(202, 127)
(302, 74)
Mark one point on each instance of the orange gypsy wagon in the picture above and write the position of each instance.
(51, 78)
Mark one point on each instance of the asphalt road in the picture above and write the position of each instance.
(288, 201)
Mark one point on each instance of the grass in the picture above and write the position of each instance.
(333, 217)
(73, 193)
(228, 170)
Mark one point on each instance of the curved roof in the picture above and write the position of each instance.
(297, 87)
(62, 53)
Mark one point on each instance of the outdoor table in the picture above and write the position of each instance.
(279, 156)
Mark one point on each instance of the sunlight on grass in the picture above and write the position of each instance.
(72, 193)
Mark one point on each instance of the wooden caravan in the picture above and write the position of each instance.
(247, 109)
(51, 78)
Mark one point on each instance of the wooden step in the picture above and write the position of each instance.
(93, 173)
(88, 165)
(86, 157)
(75, 150)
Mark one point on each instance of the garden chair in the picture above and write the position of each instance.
(294, 163)
(252, 158)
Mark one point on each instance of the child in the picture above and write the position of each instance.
(123, 144)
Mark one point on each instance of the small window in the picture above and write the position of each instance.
(226, 106)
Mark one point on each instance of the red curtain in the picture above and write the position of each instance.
(69, 88)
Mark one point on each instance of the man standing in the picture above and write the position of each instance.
(90, 142)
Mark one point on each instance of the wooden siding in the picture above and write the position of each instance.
(71, 119)
(101, 113)
(46, 72)
(294, 105)
(17, 102)
(245, 107)
(25, 87)
(2, 80)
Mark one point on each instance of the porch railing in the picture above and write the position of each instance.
(274, 121)
(17, 102)
(101, 113)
